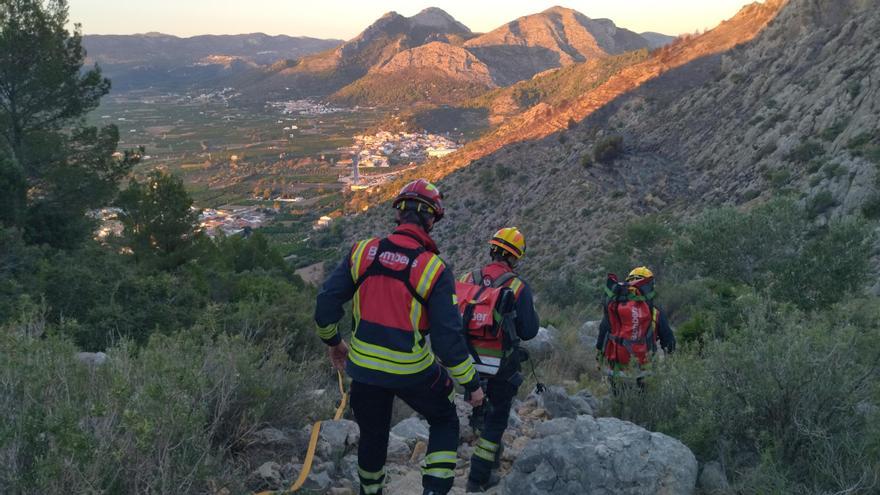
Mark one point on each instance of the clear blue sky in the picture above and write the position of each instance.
(345, 18)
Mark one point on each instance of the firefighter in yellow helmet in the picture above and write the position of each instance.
(631, 328)
(506, 249)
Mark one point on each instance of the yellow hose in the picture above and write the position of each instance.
(313, 443)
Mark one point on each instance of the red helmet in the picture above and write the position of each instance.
(421, 195)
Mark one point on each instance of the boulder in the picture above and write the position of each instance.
(584, 455)
(543, 343)
(712, 479)
(406, 482)
(91, 358)
(398, 449)
(558, 404)
(271, 436)
(269, 472)
(318, 482)
(341, 433)
(589, 333)
(336, 439)
(411, 430)
(348, 468)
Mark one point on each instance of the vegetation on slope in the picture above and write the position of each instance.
(204, 339)
(777, 374)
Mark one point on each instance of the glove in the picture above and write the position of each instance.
(338, 355)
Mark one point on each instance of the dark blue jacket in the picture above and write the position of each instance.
(444, 321)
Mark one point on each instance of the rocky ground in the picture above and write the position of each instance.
(555, 443)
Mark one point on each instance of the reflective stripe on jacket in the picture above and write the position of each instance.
(392, 312)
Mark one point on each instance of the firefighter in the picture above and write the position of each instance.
(506, 249)
(401, 290)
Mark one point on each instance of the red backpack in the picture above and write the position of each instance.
(487, 313)
(633, 320)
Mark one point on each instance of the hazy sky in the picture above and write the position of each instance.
(345, 18)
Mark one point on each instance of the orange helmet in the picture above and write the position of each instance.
(511, 240)
(421, 195)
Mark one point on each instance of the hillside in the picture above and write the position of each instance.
(543, 119)
(785, 112)
(143, 60)
(656, 40)
(701, 123)
(324, 73)
(554, 38)
(434, 73)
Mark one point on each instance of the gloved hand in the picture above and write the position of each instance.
(339, 355)
(476, 397)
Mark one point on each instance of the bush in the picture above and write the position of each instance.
(163, 420)
(790, 398)
(871, 208)
(807, 151)
(820, 203)
(836, 129)
(608, 149)
(743, 247)
(586, 161)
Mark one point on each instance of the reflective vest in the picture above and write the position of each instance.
(392, 286)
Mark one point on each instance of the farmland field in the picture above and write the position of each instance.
(232, 156)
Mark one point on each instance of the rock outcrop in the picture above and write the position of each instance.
(442, 59)
(573, 453)
(601, 456)
(554, 38)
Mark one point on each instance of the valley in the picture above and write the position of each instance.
(282, 167)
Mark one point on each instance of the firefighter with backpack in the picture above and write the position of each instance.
(498, 311)
(400, 289)
(631, 328)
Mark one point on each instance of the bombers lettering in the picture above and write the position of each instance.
(394, 261)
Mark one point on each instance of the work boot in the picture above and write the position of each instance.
(477, 487)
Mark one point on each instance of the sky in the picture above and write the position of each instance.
(344, 19)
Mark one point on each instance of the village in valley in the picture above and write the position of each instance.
(285, 167)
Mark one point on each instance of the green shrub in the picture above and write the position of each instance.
(871, 208)
(836, 129)
(162, 420)
(834, 170)
(778, 178)
(586, 161)
(608, 149)
(808, 150)
(820, 203)
(744, 247)
(785, 399)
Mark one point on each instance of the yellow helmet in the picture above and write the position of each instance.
(639, 273)
(511, 240)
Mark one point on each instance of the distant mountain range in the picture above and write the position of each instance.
(169, 62)
(427, 58)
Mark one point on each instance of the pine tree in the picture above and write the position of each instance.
(53, 168)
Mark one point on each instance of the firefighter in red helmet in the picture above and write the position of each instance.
(401, 290)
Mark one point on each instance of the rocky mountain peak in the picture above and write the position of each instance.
(438, 18)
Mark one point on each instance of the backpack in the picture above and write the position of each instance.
(630, 311)
(488, 313)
